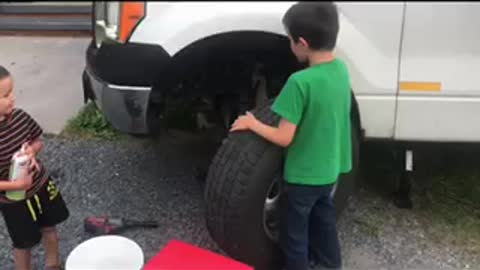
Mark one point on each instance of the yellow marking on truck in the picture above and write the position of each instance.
(421, 86)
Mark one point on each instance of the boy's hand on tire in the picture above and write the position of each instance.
(244, 122)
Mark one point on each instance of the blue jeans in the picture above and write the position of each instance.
(309, 230)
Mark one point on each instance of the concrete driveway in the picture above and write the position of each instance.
(47, 73)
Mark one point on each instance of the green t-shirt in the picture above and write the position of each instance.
(317, 100)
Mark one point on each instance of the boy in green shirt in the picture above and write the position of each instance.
(314, 106)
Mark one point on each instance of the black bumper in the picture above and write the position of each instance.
(127, 64)
(120, 78)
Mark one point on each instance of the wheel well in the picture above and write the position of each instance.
(210, 56)
(216, 76)
(222, 65)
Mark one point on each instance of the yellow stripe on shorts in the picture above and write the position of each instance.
(37, 199)
(32, 212)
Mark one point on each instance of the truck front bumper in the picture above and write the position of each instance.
(125, 107)
(120, 79)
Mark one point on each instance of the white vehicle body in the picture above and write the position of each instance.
(413, 65)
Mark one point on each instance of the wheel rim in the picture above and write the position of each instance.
(271, 214)
(271, 209)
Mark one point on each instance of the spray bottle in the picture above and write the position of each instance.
(19, 165)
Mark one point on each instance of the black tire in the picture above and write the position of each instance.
(237, 184)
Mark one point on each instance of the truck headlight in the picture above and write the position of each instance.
(112, 14)
(116, 20)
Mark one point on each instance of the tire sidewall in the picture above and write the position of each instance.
(264, 253)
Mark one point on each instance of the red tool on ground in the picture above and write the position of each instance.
(110, 225)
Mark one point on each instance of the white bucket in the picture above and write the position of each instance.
(106, 253)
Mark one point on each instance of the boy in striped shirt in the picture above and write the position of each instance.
(34, 218)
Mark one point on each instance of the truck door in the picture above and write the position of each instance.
(369, 42)
(439, 84)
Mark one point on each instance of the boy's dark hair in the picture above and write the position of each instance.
(4, 73)
(316, 22)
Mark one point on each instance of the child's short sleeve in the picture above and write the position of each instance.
(290, 102)
(34, 129)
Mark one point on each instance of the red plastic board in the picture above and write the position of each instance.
(177, 255)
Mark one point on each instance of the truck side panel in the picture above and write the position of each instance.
(175, 25)
(369, 40)
(439, 93)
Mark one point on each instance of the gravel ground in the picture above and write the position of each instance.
(143, 179)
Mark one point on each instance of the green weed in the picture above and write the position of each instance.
(90, 123)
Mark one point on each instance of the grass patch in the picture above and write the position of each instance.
(452, 207)
(446, 191)
(90, 123)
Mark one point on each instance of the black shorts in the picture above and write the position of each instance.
(26, 219)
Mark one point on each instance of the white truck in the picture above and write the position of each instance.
(414, 69)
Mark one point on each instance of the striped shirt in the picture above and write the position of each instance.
(16, 130)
